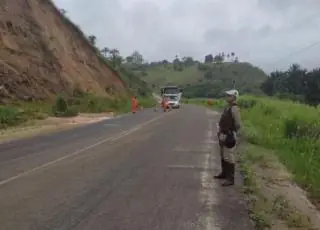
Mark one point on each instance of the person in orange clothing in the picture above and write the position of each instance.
(165, 104)
(134, 104)
(162, 102)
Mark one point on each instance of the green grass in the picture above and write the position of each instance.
(290, 128)
(192, 74)
(160, 75)
(22, 112)
(206, 79)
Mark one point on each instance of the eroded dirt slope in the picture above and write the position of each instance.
(42, 53)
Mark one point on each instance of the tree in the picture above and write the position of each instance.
(232, 55)
(218, 59)
(92, 39)
(137, 58)
(165, 62)
(115, 57)
(63, 11)
(188, 61)
(296, 83)
(269, 85)
(203, 67)
(129, 59)
(208, 75)
(177, 64)
(312, 83)
(105, 51)
(208, 58)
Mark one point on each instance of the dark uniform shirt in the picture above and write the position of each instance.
(230, 120)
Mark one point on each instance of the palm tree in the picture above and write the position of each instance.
(115, 56)
(114, 53)
(92, 39)
(63, 11)
(232, 55)
(105, 51)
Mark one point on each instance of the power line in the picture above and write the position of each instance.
(300, 50)
(288, 56)
(293, 25)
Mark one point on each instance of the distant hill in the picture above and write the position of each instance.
(202, 80)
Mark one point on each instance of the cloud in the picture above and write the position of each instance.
(263, 32)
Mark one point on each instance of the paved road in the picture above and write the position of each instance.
(149, 171)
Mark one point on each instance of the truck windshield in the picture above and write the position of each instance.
(171, 90)
(173, 98)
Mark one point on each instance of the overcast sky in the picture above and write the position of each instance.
(268, 33)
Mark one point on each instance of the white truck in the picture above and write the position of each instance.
(173, 93)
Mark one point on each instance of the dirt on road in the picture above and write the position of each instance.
(51, 124)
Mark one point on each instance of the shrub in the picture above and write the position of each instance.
(61, 105)
(10, 116)
(61, 108)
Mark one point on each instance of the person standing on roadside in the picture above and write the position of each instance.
(229, 126)
(134, 104)
(165, 104)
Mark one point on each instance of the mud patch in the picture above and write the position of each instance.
(81, 119)
(51, 124)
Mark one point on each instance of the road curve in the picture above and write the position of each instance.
(148, 171)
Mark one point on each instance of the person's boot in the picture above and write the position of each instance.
(230, 175)
(222, 175)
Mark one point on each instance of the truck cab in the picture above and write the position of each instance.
(173, 93)
(173, 100)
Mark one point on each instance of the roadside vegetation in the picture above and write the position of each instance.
(289, 128)
(278, 132)
(21, 112)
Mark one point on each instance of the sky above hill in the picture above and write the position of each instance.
(269, 33)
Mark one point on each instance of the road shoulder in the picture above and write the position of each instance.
(275, 201)
(50, 125)
(230, 207)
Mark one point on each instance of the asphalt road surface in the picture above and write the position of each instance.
(148, 171)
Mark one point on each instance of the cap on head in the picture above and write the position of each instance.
(233, 92)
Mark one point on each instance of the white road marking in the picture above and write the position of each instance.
(212, 112)
(111, 125)
(183, 166)
(51, 163)
(208, 194)
(210, 142)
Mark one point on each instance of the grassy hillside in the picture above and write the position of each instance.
(201, 80)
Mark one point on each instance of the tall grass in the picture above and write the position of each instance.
(290, 128)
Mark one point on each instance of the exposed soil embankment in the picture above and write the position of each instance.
(42, 53)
